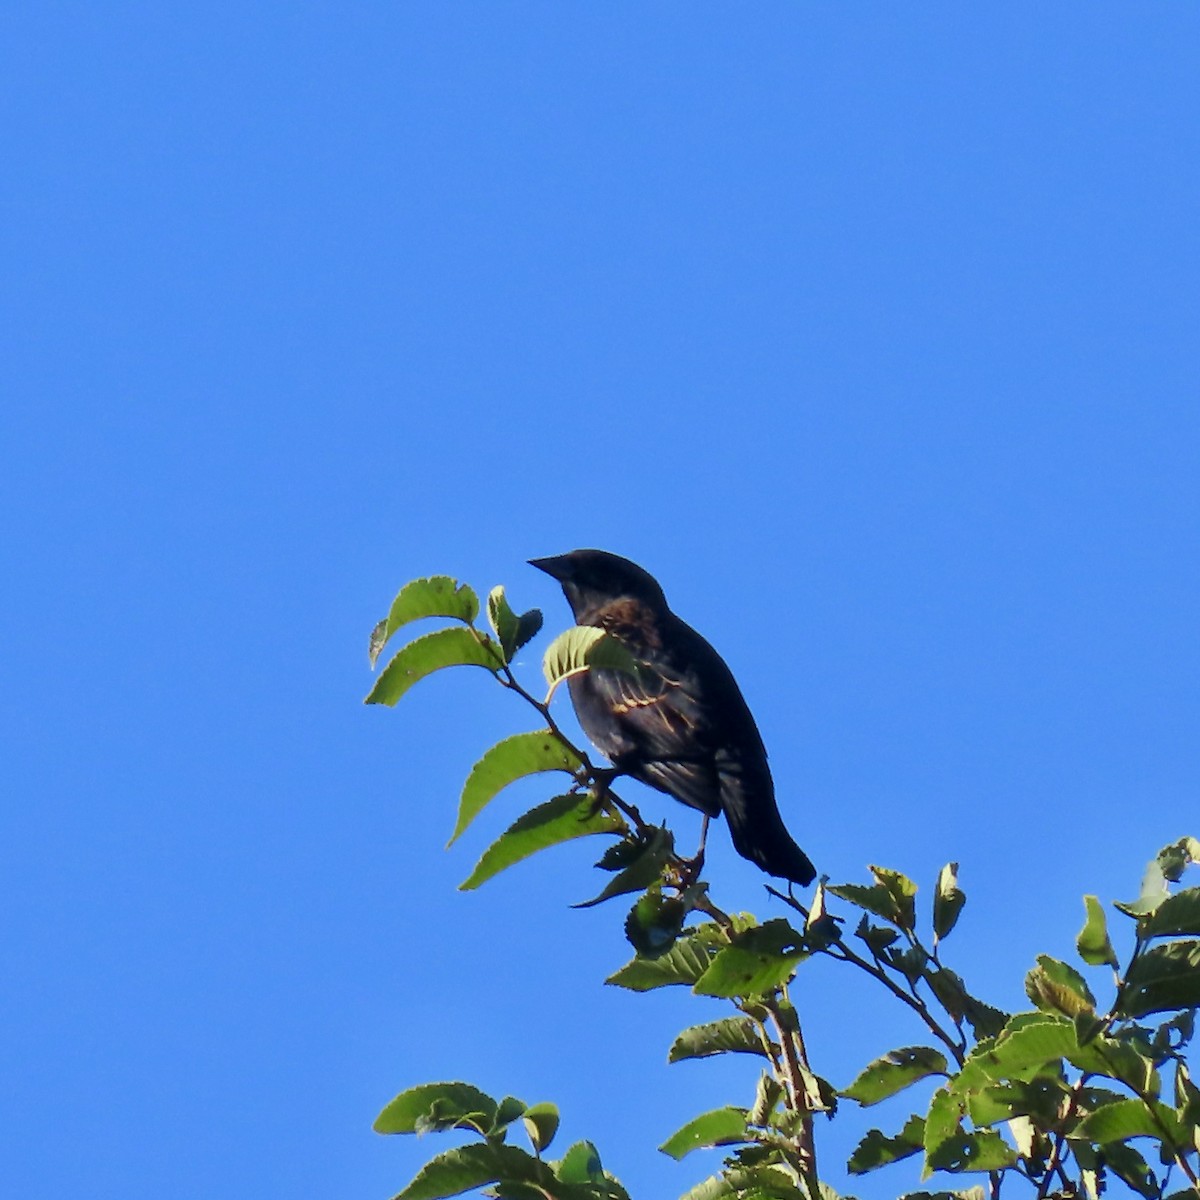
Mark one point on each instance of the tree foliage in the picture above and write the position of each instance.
(1064, 1099)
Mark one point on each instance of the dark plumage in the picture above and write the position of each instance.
(681, 724)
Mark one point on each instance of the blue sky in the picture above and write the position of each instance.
(870, 330)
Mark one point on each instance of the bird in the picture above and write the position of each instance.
(680, 723)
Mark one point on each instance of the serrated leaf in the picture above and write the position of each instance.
(767, 1094)
(1127, 1164)
(512, 631)
(474, 1166)
(875, 899)
(878, 1150)
(436, 596)
(893, 1072)
(455, 647)
(731, 1035)
(541, 1123)
(643, 870)
(1093, 943)
(1161, 979)
(581, 648)
(1123, 1119)
(550, 824)
(682, 965)
(721, 1127)
(1178, 914)
(903, 892)
(655, 923)
(1056, 987)
(948, 902)
(433, 1106)
(976, 1150)
(580, 1164)
(755, 962)
(507, 761)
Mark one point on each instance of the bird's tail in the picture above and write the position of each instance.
(757, 829)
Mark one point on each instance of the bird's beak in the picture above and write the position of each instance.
(556, 567)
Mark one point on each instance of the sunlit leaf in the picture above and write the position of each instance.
(433, 1106)
(559, 820)
(541, 1123)
(582, 647)
(512, 759)
(903, 892)
(757, 961)
(580, 1164)
(512, 631)
(721, 1127)
(1093, 943)
(895, 1071)
(1154, 892)
(1125, 1119)
(437, 596)
(682, 965)
(948, 902)
(453, 647)
(471, 1167)
(1056, 987)
(731, 1035)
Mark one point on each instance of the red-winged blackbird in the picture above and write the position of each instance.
(680, 724)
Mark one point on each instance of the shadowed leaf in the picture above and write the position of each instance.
(1161, 979)
(682, 965)
(894, 1072)
(1178, 914)
(471, 1167)
(731, 1035)
(877, 1150)
(948, 902)
(435, 1106)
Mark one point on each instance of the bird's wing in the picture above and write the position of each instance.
(662, 734)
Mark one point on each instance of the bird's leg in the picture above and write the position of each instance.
(691, 867)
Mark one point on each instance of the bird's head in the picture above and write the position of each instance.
(593, 578)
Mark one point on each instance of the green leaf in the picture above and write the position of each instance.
(1125, 1119)
(978, 1150)
(1092, 943)
(437, 596)
(471, 1167)
(1161, 979)
(1178, 914)
(643, 870)
(894, 1072)
(1153, 893)
(550, 824)
(580, 1164)
(890, 897)
(1040, 1097)
(1127, 1164)
(512, 632)
(512, 759)
(453, 647)
(582, 647)
(755, 962)
(1175, 858)
(877, 1150)
(654, 923)
(877, 938)
(971, 1193)
(731, 1035)
(1056, 987)
(541, 1123)
(948, 902)
(953, 996)
(682, 965)
(721, 1127)
(767, 1094)
(903, 891)
(760, 1182)
(434, 1106)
